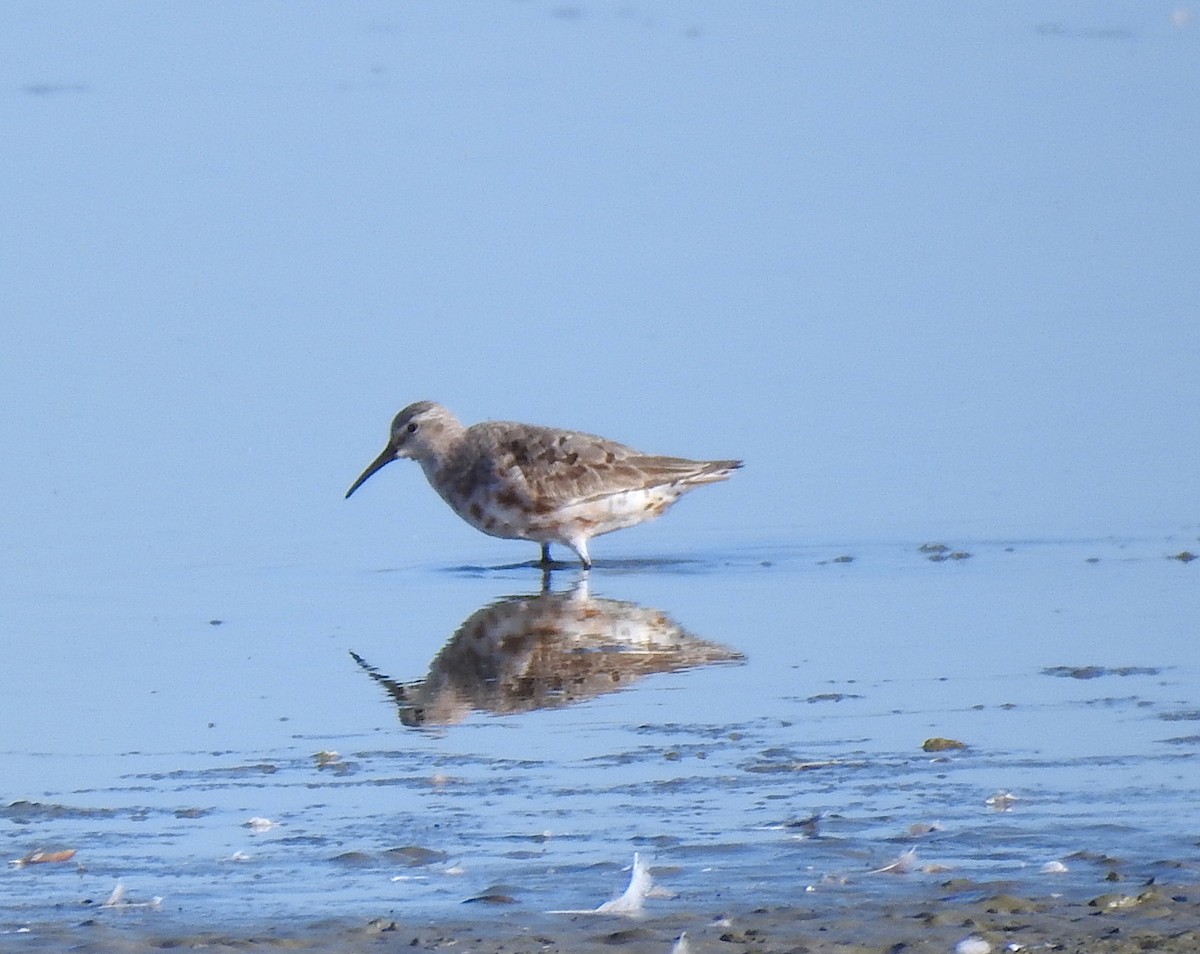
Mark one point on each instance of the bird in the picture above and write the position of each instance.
(527, 482)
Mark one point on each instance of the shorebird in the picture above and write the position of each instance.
(524, 482)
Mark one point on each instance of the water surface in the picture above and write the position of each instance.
(701, 712)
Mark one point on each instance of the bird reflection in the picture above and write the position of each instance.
(545, 651)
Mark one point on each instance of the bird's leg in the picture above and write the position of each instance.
(580, 547)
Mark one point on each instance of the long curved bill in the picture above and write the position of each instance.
(382, 460)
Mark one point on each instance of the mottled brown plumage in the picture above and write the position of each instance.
(524, 482)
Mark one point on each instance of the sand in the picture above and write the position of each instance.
(1148, 917)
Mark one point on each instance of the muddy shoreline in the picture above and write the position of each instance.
(1160, 917)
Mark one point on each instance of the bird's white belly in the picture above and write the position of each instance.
(613, 512)
(588, 518)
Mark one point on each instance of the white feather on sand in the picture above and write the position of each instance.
(117, 900)
(905, 863)
(632, 903)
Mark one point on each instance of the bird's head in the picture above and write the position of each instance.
(420, 432)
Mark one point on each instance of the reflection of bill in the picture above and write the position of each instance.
(540, 652)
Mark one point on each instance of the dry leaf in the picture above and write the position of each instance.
(43, 857)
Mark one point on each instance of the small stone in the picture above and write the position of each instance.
(938, 744)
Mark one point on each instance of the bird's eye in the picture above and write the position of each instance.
(412, 427)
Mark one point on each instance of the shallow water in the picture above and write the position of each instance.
(698, 711)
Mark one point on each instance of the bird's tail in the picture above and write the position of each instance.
(713, 470)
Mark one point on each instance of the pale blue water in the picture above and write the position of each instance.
(928, 270)
(154, 748)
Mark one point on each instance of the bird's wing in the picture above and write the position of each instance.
(548, 467)
(553, 467)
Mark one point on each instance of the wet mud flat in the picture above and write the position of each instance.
(997, 748)
(971, 918)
